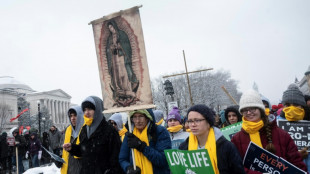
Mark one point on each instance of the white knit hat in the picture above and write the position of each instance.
(251, 98)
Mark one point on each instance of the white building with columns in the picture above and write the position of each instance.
(56, 101)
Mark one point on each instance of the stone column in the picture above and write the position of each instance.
(52, 111)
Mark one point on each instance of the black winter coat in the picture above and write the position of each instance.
(100, 151)
(4, 147)
(228, 158)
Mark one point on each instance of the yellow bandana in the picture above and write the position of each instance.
(160, 122)
(65, 154)
(267, 111)
(175, 128)
(210, 146)
(141, 161)
(88, 121)
(293, 113)
(122, 132)
(252, 128)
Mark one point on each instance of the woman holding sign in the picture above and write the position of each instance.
(204, 135)
(264, 132)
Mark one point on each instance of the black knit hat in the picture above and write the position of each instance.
(235, 109)
(89, 105)
(205, 111)
(293, 95)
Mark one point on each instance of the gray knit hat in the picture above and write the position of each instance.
(251, 98)
(293, 95)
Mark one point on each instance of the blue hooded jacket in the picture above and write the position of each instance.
(159, 140)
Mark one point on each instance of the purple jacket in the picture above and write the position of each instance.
(34, 146)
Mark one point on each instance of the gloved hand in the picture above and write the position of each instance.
(26, 156)
(303, 152)
(135, 142)
(58, 164)
(39, 155)
(130, 170)
(17, 143)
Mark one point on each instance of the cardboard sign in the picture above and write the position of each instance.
(229, 131)
(194, 161)
(259, 159)
(11, 141)
(298, 130)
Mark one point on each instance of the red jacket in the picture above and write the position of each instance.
(284, 145)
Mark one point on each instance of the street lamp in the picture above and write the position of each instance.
(169, 89)
(39, 118)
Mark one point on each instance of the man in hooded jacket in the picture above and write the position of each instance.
(72, 165)
(98, 144)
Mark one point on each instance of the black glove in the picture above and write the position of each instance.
(130, 170)
(58, 164)
(135, 142)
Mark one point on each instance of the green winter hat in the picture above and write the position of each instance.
(141, 111)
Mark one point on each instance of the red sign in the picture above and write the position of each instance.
(11, 141)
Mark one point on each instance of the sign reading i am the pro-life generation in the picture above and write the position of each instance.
(194, 161)
(298, 130)
(259, 159)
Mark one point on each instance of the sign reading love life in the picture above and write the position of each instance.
(259, 159)
(189, 162)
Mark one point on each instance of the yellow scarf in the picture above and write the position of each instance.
(252, 128)
(175, 128)
(160, 121)
(122, 132)
(267, 111)
(210, 146)
(293, 113)
(88, 121)
(141, 161)
(188, 130)
(65, 154)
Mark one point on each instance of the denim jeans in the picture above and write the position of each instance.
(35, 160)
(20, 163)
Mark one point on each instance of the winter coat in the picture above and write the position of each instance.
(99, 149)
(45, 144)
(177, 138)
(284, 145)
(21, 146)
(228, 158)
(159, 141)
(34, 146)
(4, 147)
(55, 139)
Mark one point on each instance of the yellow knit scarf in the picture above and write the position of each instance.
(88, 121)
(293, 113)
(188, 130)
(160, 122)
(175, 128)
(210, 146)
(122, 132)
(65, 154)
(141, 160)
(252, 128)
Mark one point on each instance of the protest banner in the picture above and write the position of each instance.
(122, 61)
(298, 130)
(229, 131)
(259, 159)
(11, 141)
(191, 162)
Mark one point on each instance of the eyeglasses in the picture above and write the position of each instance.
(246, 110)
(135, 118)
(197, 122)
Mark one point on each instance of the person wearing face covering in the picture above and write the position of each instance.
(159, 117)
(264, 132)
(98, 143)
(267, 105)
(295, 109)
(116, 121)
(72, 165)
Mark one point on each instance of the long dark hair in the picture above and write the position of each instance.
(267, 129)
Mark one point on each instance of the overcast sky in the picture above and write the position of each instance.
(49, 44)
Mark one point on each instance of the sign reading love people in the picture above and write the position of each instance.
(259, 159)
(194, 161)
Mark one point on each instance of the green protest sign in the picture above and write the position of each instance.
(229, 131)
(189, 162)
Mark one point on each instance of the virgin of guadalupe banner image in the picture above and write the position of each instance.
(122, 62)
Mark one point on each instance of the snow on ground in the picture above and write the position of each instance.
(45, 170)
